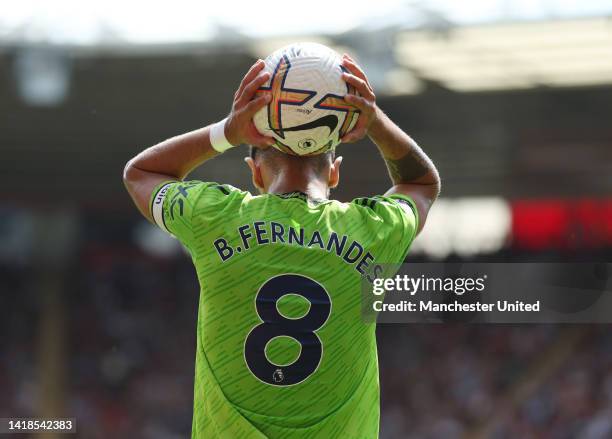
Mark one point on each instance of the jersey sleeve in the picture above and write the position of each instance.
(183, 207)
(394, 219)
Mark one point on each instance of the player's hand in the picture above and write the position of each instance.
(239, 128)
(366, 102)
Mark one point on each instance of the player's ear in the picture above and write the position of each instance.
(334, 172)
(255, 174)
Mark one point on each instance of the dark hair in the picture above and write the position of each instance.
(254, 151)
(274, 156)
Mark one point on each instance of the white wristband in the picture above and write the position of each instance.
(217, 137)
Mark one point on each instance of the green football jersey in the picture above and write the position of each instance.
(282, 349)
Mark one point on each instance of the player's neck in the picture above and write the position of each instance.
(312, 187)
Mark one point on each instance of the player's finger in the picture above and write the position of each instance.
(358, 131)
(250, 75)
(355, 69)
(251, 88)
(265, 142)
(255, 138)
(360, 85)
(347, 61)
(347, 56)
(262, 141)
(361, 103)
(256, 104)
(354, 135)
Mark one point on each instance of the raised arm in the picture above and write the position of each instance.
(412, 172)
(176, 157)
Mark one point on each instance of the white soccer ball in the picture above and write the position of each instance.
(307, 114)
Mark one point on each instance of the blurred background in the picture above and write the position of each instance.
(511, 99)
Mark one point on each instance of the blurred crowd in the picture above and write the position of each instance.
(130, 324)
(444, 381)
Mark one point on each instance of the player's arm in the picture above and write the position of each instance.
(173, 159)
(412, 172)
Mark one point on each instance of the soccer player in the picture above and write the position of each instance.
(282, 350)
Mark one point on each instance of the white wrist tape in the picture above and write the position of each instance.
(217, 137)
